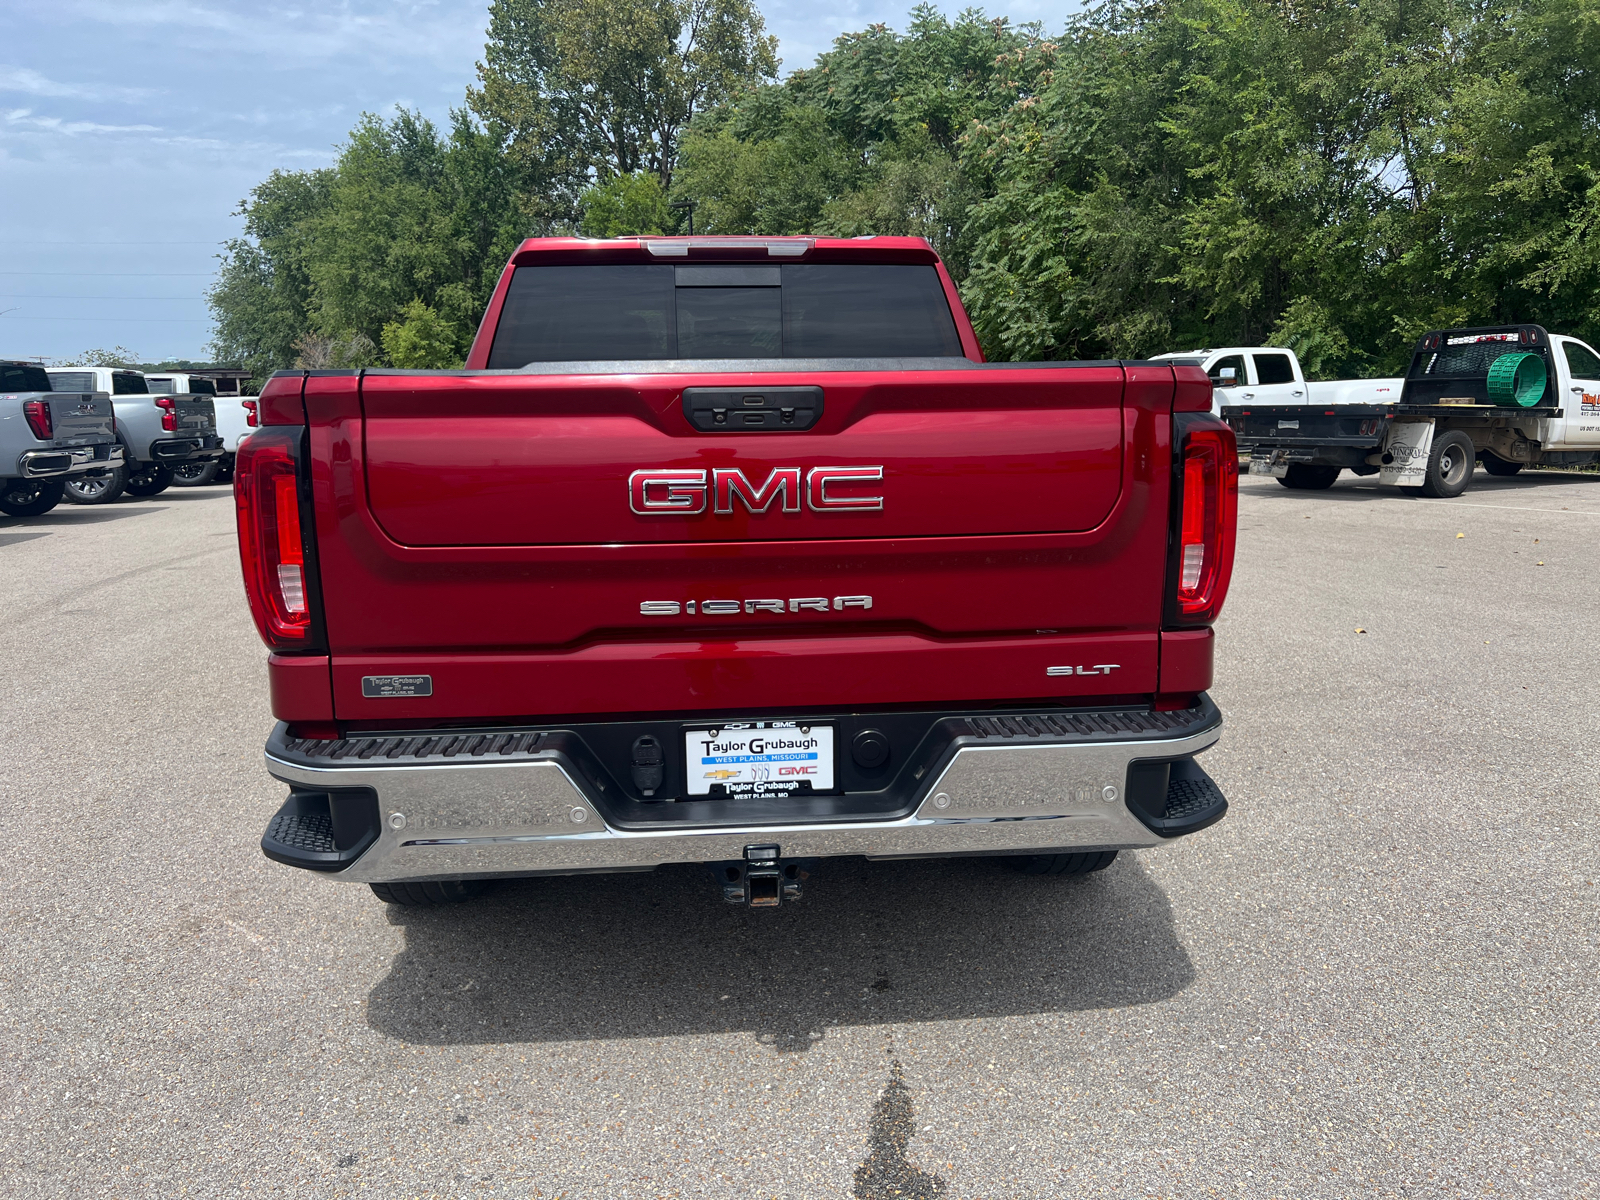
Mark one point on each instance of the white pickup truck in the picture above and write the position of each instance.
(1508, 396)
(236, 416)
(1272, 375)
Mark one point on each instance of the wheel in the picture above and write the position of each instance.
(449, 891)
(196, 473)
(1449, 466)
(30, 497)
(1304, 477)
(1059, 864)
(97, 489)
(150, 480)
(1496, 465)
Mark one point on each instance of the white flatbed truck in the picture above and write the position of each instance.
(1508, 395)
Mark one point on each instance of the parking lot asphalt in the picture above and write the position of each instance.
(1380, 976)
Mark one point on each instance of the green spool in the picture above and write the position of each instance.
(1517, 379)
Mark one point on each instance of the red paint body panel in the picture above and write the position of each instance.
(300, 688)
(1187, 657)
(280, 403)
(1193, 390)
(750, 673)
(478, 529)
(518, 460)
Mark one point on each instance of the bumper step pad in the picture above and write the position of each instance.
(1193, 802)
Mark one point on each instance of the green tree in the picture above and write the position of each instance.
(604, 88)
(329, 258)
(420, 339)
(866, 141)
(117, 356)
(623, 205)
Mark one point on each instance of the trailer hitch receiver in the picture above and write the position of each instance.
(762, 879)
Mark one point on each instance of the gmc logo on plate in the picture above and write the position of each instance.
(688, 491)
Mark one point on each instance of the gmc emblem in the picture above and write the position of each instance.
(685, 492)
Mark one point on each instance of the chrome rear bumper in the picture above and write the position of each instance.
(72, 460)
(538, 814)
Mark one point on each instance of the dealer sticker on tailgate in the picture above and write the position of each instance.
(759, 758)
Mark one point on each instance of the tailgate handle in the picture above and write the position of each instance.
(752, 409)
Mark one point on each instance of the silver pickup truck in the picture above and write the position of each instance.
(48, 438)
(157, 432)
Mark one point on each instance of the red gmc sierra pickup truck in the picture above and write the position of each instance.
(733, 551)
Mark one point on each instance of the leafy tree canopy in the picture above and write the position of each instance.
(1335, 175)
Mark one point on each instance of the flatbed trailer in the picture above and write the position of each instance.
(1443, 422)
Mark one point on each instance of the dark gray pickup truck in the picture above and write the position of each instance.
(48, 438)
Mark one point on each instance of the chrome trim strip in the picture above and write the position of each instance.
(508, 818)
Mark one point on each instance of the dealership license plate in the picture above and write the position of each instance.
(759, 758)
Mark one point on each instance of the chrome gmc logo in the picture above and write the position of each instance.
(686, 492)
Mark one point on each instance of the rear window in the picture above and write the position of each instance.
(160, 386)
(1581, 360)
(72, 381)
(797, 310)
(201, 387)
(23, 377)
(1273, 368)
(126, 383)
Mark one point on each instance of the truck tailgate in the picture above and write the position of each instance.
(80, 418)
(195, 414)
(542, 545)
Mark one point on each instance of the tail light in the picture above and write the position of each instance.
(169, 414)
(251, 417)
(266, 491)
(39, 419)
(1207, 518)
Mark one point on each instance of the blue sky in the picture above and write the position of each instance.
(131, 129)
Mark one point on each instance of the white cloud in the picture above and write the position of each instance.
(24, 118)
(32, 83)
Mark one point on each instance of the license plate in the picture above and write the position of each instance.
(759, 758)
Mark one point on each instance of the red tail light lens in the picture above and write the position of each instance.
(169, 414)
(39, 419)
(271, 548)
(1210, 482)
(251, 417)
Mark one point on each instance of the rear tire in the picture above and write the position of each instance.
(97, 489)
(1496, 465)
(151, 480)
(424, 895)
(196, 473)
(1305, 477)
(1060, 864)
(1449, 466)
(30, 497)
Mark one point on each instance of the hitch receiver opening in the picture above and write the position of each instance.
(762, 879)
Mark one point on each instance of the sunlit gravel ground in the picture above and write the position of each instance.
(1378, 977)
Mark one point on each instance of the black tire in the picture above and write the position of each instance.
(97, 489)
(1450, 465)
(225, 469)
(30, 497)
(1496, 465)
(196, 473)
(1061, 864)
(449, 891)
(1304, 477)
(150, 480)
